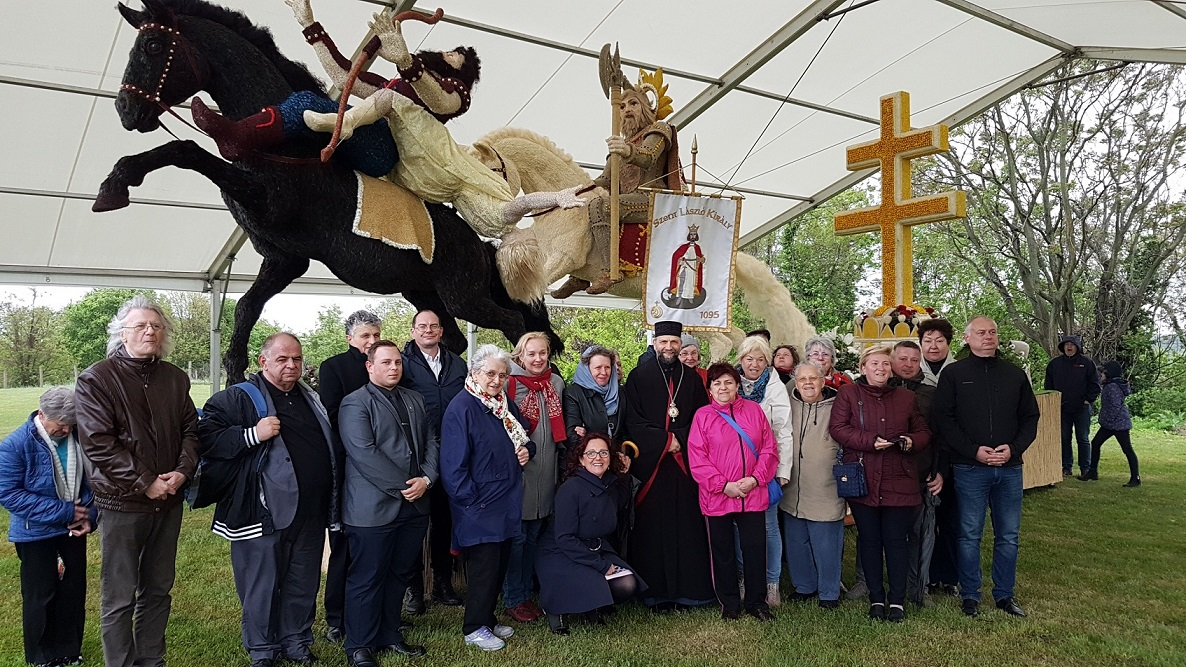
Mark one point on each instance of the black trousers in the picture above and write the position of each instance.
(440, 535)
(1122, 437)
(751, 529)
(485, 569)
(883, 532)
(944, 557)
(382, 559)
(52, 608)
(335, 579)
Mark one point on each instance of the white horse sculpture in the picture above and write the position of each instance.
(558, 243)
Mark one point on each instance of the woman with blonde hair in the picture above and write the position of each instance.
(539, 393)
(760, 383)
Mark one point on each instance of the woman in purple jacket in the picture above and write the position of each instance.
(881, 426)
(733, 456)
(1114, 421)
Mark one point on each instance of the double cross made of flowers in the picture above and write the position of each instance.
(898, 210)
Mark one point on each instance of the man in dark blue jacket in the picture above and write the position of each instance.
(277, 527)
(1076, 376)
(986, 415)
(437, 375)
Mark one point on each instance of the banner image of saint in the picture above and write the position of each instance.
(688, 274)
(686, 287)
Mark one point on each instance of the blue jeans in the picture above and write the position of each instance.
(521, 570)
(999, 491)
(773, 548)
(1080, 420)
(813, 550)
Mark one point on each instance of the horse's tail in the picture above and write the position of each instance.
(771, 300)
(521, 265)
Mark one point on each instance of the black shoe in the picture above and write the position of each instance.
(1088, 476)
(361, 657)
(730, 614)
(1134, 482)
(762, 614)
(443, 593)
(403, 648)
(877, 611)
(951, 589)
(897, 613)
(593, 617)
(829, 604)
(803, 597)
(1010, 606)
(663, 608)
(557, 624)
(263, 662)
(1066, 472)
(305, 657)
(414, 602)
(335, 635)
(970, 607)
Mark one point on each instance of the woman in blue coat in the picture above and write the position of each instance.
(43, 487)
(484, 446)
(579, 572)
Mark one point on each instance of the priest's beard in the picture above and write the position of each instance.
(667, 359)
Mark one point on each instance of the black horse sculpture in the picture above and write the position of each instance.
(293, 208)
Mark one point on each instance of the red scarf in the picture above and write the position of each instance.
(530, 406)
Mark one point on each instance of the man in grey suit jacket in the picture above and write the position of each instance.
(392, 456)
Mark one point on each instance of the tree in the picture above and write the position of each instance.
(327, 337)
(1075, 215)
(30, 345)
(823, 271)
(84, 329)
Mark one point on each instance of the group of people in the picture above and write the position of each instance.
(678, 488)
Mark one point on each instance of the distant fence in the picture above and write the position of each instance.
(199, 373)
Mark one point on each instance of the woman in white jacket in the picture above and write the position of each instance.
(760, 383)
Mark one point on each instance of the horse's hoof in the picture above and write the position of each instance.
(110, 201)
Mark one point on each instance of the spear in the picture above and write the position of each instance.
(611, 82)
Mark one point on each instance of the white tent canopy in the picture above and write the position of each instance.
(811, 71)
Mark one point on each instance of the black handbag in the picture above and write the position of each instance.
(850, 477)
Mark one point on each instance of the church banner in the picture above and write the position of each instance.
(691, 245)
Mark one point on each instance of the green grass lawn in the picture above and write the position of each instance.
(16, 404)
(1102, 575)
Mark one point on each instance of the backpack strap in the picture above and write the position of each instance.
(256, 396)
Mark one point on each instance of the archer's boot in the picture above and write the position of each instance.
(602, 285)
(570, 287)
(237, 139)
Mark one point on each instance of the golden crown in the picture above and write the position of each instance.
(653, 87)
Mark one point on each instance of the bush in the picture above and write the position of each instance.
(1158, 400)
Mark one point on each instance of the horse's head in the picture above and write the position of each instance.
(489, 156)
(163, 67)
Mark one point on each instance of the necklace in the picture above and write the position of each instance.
(672, 411)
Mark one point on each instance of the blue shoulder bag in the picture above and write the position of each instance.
(772, 487)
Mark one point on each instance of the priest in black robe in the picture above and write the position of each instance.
(669, 542)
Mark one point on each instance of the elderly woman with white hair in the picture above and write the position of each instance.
(484, 446)
(43, 487)
(760, 384)
(823, 352)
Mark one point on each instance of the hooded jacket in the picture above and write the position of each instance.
(1075, 376)
(1113, 412)
(811, 493)
(135, 421)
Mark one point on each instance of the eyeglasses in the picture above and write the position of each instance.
(427, 327)
(144, 326)
(818, 354)
(490, 375)
(599, 454)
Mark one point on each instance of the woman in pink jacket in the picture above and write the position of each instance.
(734, 468)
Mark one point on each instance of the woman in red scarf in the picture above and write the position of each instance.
(539, 393)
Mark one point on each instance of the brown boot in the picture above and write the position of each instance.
(238, 139)
(570, 287)
(601, 285)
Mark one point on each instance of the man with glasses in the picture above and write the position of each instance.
(437, 375)
(139, 434)
(987, 416)
(338, 376)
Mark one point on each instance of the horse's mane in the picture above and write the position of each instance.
(295, 73)
(494, 136)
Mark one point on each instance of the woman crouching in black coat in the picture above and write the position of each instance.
(579, 571)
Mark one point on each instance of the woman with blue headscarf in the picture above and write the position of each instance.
(591, 403)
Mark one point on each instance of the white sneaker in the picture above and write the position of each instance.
(502, 631)
(773, 599)
(484, 639)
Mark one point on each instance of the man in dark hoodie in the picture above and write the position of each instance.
(987, 416)
(1076, 377)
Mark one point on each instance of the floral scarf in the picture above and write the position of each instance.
(531, 408)
(498, 406)
(754, 390)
